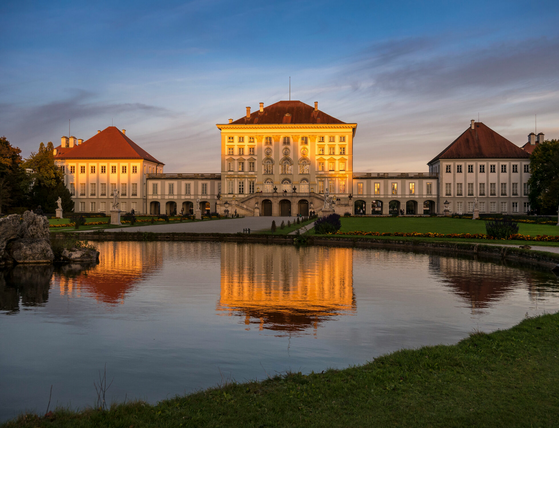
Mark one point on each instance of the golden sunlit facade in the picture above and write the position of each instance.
(285, 289)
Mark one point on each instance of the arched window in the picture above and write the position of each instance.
(304, 186)
(268, 185)
(286, 185)
(286, 166)
(304, 166)
(268, 166)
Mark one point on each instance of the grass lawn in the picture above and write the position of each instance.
(504, 379)
(105, 223)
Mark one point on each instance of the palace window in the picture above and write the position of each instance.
(113, 168)
(82, 189)
(92, 207)
(230, 151)
(251, 140)
(342, 166)
(241, 139)
(103, 169)
(230, 139)
(251, 166)
(92, 189)
(268, 186)
(458, 189)
(321, 166)
(92, 169)
(286, 167)
(251, 186)
(491, 168)
(342, 186)
(332, 150)
(72, 169)
(171, 189)
(504, 189)
(304, 140)
(241, 166)
(515, 207)
(428, 188)
(321, 139)
(481, 168)
(470, 168)
(304, 167)
(492, 189)
(394, 188)
(82, 206)
(526, 207)
(503, 207)
(412, 188)
(103, 189)
(204, 189)
(448, 168)
(230, 185)
(526, 189)
(458, 168)
(342, 138)
(482, 207)
(470, 189)
(251, 151)
(241, 150)
(123, 168)
(503, 168)
(377, 188)
(134, 190)
(448, 189)
(186, 189)
(332, 186)
(331, 166)
(134, 168)
(103, 206)
(321, 186)
(241, 186)
(82, 169)
(154, 189)
(230, 166)
(342, 150)
(514, 189)
(332, 139)
(268, 165)
(268, 141)
(526, 168)
(481, 189)
(459, 207)
(123, 191)
(470, 207)
(320, 150)
(514, 168)
(360, 188)
(286, 141)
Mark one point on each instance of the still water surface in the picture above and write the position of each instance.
(172, 318)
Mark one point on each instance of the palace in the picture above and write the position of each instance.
(282, 159)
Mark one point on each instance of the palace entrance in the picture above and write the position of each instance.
(285, 207)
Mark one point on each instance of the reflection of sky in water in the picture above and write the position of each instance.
(169, 318)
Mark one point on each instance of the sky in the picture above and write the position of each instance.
(411, 74)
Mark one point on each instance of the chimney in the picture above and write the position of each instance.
(80, 141)
(248, 111)
(98, 131)
(472, 124)
(123, 131)
(541, 138)
(230, 120)
(63, 142)
(316, 106)
(72, 141)
(531, 138)
(261, 107)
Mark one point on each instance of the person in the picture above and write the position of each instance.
(132, 212)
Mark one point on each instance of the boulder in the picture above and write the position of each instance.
(25, 240)
(80, 256)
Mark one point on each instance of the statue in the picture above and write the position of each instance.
(327, 200)
(198, 204)
(115, 199)
(59, 202)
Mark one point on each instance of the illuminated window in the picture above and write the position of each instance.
(342, 166)
(342, 150)
(331, 166)
(230, 139)
(241, 166)
(268, 141)
(251, 140)
(360, 188)
(321, 150)
(342, 186)
(394, 188)
(377, 188)
(412, 188)
(321, 186)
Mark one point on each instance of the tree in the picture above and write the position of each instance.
(48, 181)
(544, 180)
(14, 182)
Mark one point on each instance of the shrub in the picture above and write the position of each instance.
(288, 224)
(347, 214)
(79, 221)
(282, 226)
(328, 224)
(298, 221)
(130, 217)
(164, 217)
(501, 228)
(273, 226)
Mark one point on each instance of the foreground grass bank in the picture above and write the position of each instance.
(503, 379)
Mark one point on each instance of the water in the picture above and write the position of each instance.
(173, 318)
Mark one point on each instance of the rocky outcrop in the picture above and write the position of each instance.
(25, 240)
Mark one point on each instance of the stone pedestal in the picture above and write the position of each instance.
(256, 211)
(198, 214)
(447, 213)
(115, 216)
(59, 213)
(327, 212)
(476, 214)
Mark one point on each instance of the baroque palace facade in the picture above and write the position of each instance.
(282, 159)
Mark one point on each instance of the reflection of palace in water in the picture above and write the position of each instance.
(124, 265)
(480, 283)
(283, 288)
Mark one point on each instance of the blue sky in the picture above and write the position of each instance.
(410, 74)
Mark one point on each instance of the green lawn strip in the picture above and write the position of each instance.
(438, 225)
(503, 379)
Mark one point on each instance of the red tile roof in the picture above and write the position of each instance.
(299, 113)
(108, 144)
(529, 147)
(481, 142)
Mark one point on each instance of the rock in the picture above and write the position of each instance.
(80, 256)
(25, 240)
